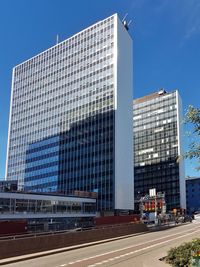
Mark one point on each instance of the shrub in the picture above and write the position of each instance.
(183, 255)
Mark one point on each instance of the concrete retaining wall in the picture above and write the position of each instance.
(22, 246)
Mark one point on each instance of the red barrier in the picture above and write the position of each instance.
(116, 219)
(13, 227)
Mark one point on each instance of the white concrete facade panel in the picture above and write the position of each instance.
(124, 183)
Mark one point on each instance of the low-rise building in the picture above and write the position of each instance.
(52, 211)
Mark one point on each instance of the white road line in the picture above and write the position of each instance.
(121, 249)
(151, 246)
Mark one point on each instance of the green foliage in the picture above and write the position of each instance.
(193, 119)
(193, 116)
(183, 255)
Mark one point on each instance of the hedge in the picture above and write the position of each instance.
(185, 255)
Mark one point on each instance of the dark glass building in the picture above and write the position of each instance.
(157, 145)
(71, 107)
(8, 186)
(193, 194)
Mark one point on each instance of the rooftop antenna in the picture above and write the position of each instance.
(57, 39)
(126, 25)
(130, 22)
(124, 17)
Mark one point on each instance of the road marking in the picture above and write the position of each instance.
(118, 250)
(138, 250)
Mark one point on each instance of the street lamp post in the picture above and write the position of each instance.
(156, 217)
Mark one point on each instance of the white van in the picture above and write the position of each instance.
(197, 215)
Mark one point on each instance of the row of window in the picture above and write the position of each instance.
(14, 144)
(169, 116)
(40, 133)
(23, 93)
(89, 33)
(63, 67)
(81, 108)
(97, 76)
(90, 173)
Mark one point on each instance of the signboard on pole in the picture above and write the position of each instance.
(152, 192)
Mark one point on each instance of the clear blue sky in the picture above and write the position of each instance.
(166, 36)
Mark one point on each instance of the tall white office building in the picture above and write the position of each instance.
(71, 117)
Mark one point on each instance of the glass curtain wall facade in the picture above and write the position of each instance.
(63, 115)
(15, 203)
(157, 145)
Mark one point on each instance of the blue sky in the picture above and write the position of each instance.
(166, 36)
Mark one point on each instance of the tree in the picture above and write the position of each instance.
(192, 118)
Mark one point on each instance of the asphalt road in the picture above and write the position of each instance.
(137, 251)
